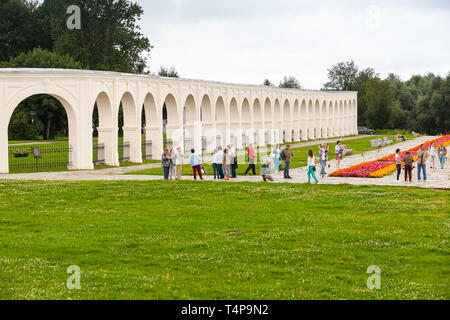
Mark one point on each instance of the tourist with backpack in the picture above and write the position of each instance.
(286, 157)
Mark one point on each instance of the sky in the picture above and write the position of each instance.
(247, 41)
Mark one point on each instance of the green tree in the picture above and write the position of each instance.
(49, 111)
(290, 82)
(342, 76)
(22, 126)
(109, 39)
(267, 83)
(20, 28)
(168, 72)
(380, 99)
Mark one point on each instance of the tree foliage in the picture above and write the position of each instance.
(290, 82)
(267, 83)
(420, 104)
(109, 38)
(168, 72)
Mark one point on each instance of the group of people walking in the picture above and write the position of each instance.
(422, 156)
(225, 164)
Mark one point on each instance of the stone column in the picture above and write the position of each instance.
(108, 137)
(154, 134)
(133, 136)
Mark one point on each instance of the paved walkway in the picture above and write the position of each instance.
(437, 178)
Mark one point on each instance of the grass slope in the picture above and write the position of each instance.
(186, 240)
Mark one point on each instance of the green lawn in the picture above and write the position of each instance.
(300, 158)
(205, 240)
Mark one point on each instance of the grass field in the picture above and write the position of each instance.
(186, 240)
(55, 156)
(300, 156)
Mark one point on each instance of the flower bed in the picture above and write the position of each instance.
(385, 165)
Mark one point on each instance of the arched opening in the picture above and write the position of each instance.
(310, 130)
(316, 119)
(31, 119)
(287, 122)
(268, 123)
(103, 132)
(191, 125)
(129, 142)
(258, 135)
(329, 122)
(303, 121)
(221, 122)
(335, 119)
(151, 128)
(208, 125)
(296, 136)
(172, 129)
(246, 123)
(340, 119)
(345, 122)
(235, 125)
(323, 121)
(278, 121)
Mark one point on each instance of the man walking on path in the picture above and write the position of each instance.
(323, 154)
(251, 160)
(196, 164)
(422, 156)
(286, 156)
(408, 166)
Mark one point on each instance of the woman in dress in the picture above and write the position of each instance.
(276, 158)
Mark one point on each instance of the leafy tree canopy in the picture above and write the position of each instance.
(290, 82)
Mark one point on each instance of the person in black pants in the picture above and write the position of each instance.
(220, 157)
(251, 160)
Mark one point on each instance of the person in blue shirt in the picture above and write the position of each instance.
(196, 164)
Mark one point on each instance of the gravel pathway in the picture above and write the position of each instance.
(437, 178)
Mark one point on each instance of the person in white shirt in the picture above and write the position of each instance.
(179, 163)
(398, 163)
(196, 164)
(233, 167)
(433, 153)
(311, 166)
(215, 164)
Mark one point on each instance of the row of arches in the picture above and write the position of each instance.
(185, 118)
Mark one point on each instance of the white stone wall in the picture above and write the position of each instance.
(228, 113)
